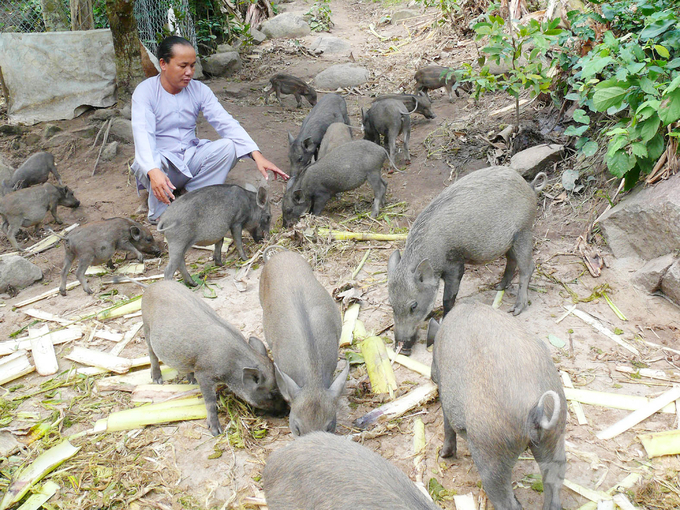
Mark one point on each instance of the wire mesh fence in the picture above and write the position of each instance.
(156, 19)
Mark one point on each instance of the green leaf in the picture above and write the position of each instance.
(649, 128)
(635, 67)
(573, 96)
(617, 143)
(673, 64)
(656, 146)
(575, 131)
(663, 52)
(620, 163)
(581, 116)
(589, 149)
(639, 149)
(656, 29)
(595, 66)
(673, 85)
(669, 111)
(605, 98)
(647, 86)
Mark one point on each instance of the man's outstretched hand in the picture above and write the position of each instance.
(161, 187)
(264, 165)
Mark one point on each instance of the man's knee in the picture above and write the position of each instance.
(224, 148)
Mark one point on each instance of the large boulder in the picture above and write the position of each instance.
(536, 159)
(670, 285)
(342, 75)
(649, 276)
(646, 223)
(329, 44)
(222, 64)
(287, 24)
(17, 273)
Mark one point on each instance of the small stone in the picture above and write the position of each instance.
(401, 15)
(126, 112)
(17, 273)
(342, 75)
(649, 276)
(670, 285)
(50, 130)
(225, 48)
(121, 130)
(103, 114)
(258, 37)
(536, 159)
(9, 130)
(110, 151)
(222, 64)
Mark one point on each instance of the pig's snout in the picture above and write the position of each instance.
(404, 349)
(406, 344)
(74, 204)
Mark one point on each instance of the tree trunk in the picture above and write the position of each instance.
(129, 72)
(54, 16)
(82, 17)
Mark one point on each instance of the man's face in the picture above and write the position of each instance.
(180, 70)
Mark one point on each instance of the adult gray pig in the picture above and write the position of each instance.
(327, 472)
(183, 332)
(484, 215)
(330, 108)
(336, 135)
(500, 390)
(302, 326)
(388, 118)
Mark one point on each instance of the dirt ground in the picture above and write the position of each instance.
(181, 465)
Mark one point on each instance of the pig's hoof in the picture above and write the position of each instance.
(500, 286)
(190, 282)
(158, 380)
(87, 289)
(62, 292)
(447, 452)
(215, 430)
(517, 309)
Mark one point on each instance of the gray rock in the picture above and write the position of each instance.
(50, 130)
(8, 130)
(17, 273)
(126, 112)
(236, 90)
(225, 48)
(258, 37)
(198, 70)
(670, 285)
(86, 131)
(401, 15)
(58, 140)
(121, 130)
(330, 45)
(103, 114)
(646, 223)
(222, 64)
(535, 159)
(110, 151)
(287, 24)
(649, 276)
(341, 75)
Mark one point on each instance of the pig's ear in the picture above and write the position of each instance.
(363, 115)
(432, 329)
(290, 139)
(339, 383)
(261, 197)
(297, 197)
(257, 345)
(135, 233)
(395, 258)
(288, 388)
(424, 273)
(252, 378)
(308, 144)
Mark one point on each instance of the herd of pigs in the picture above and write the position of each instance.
(498, 385)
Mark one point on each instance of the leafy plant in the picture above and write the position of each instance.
(507, 49)
(319, 16)
(632, 81)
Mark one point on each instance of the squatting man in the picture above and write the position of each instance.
(168, 155)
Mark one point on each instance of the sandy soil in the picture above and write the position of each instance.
(175, 466)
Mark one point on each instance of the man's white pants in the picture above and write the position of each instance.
(209, 165)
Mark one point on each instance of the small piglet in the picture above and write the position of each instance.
(26, 207)
(95, 243)
(483, 216)
(302, 326)
(336, 135)
(418, 103)
(206, 215)
(330, 108)
(500, 390)
(344, 169)
(435, 77)
(389, 118)
(327, 472)
(35, 170)
(288, 84)
(183, 332)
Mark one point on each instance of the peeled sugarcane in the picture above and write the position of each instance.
(378, 365)
(661, 443)
(402, 405)
(190, 408)
(409, 363)
(360, 236)
(348, 324)
(14, 366)
(613, 400)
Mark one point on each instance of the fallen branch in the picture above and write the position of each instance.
(360, 236)
(416, 397)
(592, 321)
(613, 400)
(641, 414)
(104, 140)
